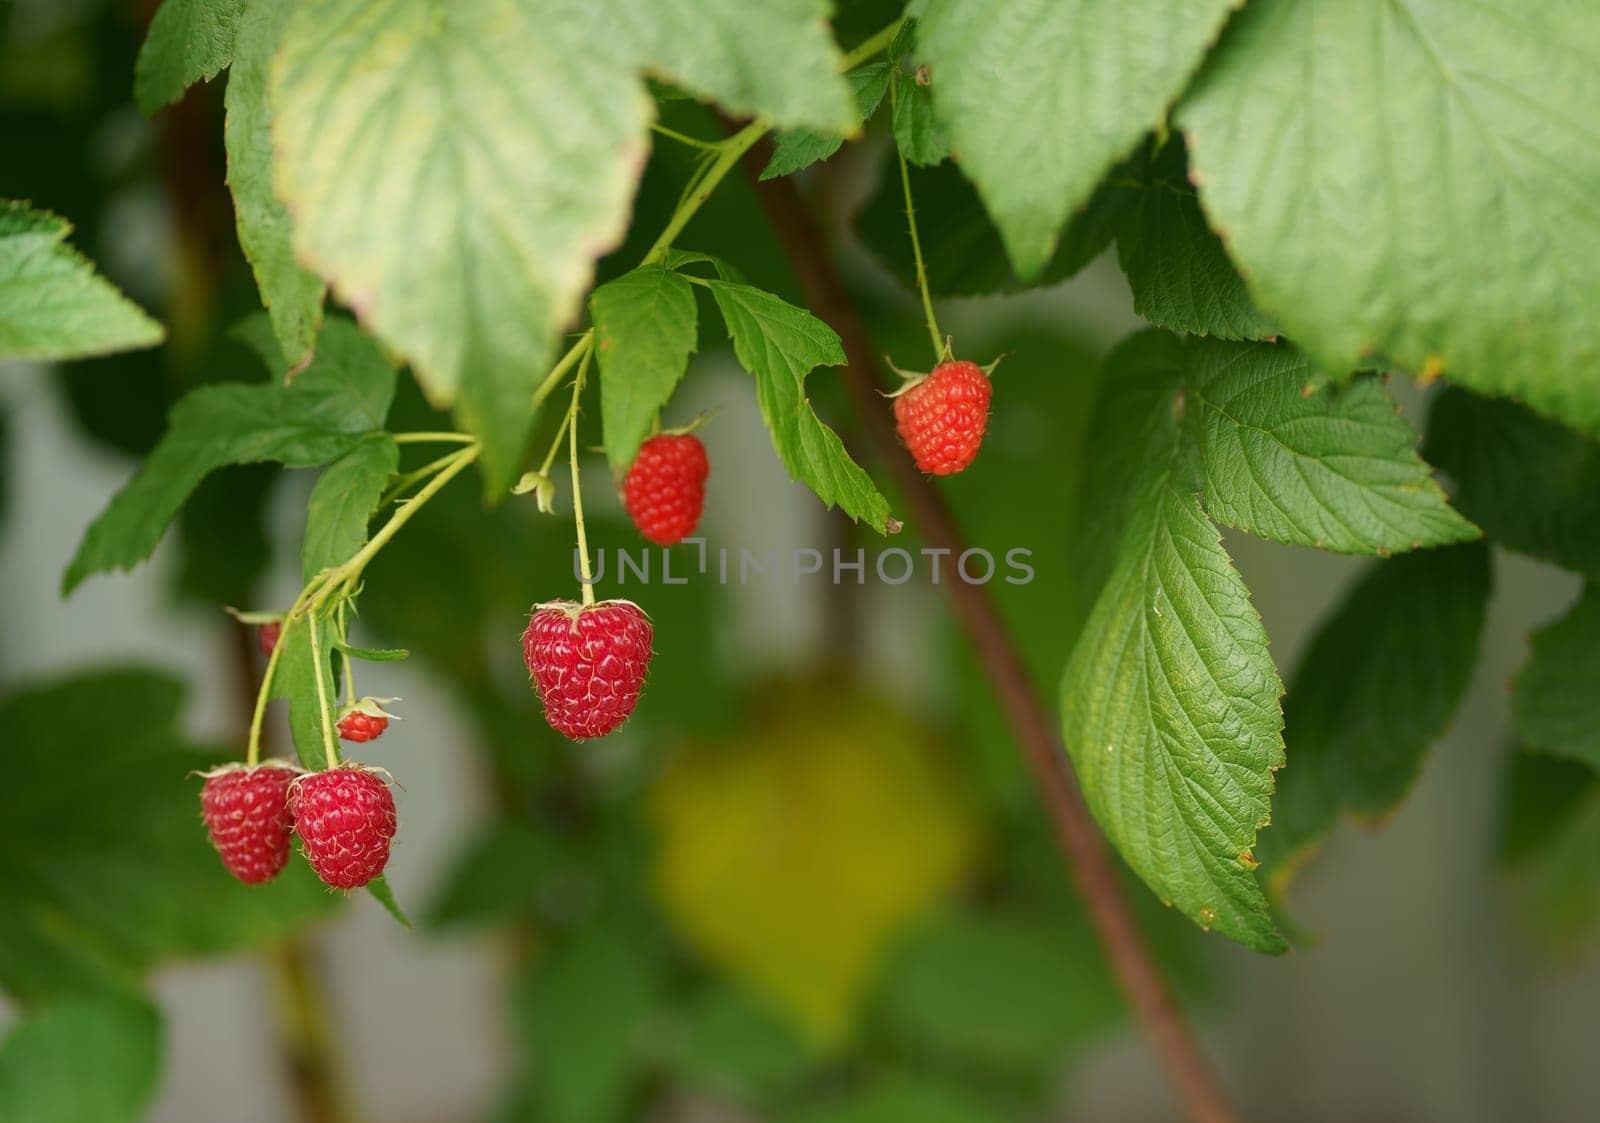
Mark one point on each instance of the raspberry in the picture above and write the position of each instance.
(267, 636)
(666, 487)
(246, 812)
(941, 419)
(345, 819)
(358, 726)
(588, 664)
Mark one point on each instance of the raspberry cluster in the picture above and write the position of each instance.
(345, 818)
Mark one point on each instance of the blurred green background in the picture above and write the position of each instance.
(809, 882)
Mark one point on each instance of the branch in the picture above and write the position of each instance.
(1087, 859)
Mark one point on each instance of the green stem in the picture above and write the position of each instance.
(578, 350)
(729, 152)
(422, 438)
(402, 482)
(916, 240)
(872, 45)
(328, 746)
(349, 664)
(252, 755)
(682, 138)
(577, 489)
(346, 574)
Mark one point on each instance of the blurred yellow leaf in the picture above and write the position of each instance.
(792, 854)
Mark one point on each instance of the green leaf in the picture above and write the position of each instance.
(780, 344)
(108, 869)
(583, 1006)
(1170, 699)
(85, 1059)
(1556, 700)
(329, 409)
(189, 41)
(894, 1098)
(1336, 469)
(1177, 268)
(1379, 683)
(800, 148)
(342, 503)
(963, 251)
(1543, 796)
(295, 679)
(645, 330)
(453, 169)
(291, 294)
(1007, 991)
(373, 654)
(918, 132)
(52, 303)
(1082, 81)
(380, 890)
(1533, 485)
(774, 59)
(1405, 178)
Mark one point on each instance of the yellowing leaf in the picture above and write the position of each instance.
(793, 854)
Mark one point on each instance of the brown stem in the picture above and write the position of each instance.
(1088, 861)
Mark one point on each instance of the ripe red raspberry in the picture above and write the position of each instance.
(345, 819)
(588, 664)
(942, 418)
(359, 726)
(666, 487)
(267, 636)
(246, 812)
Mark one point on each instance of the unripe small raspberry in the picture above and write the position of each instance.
(345, 818)
(588, 663)
(665, 490)
(357, 726)
(942, 418)
(246, 812)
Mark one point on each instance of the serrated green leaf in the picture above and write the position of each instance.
(341, 397)
(800, 148)
(108, 869)
(775, 59)
(52, 303)
(373, 654)
(291, 294)
(384, 895)
(921, 137)
(189, 41)
(82, 1059)
(1082, 81)
(1406, 178)
(1532, 484)
(780, 344)
(342, 503)
(1176, 266)
(1379, 683)
(295, 679)
(453, 169)
(1556, 700)
(1170, 712)
(1170, 699)
(1336, 469)
(645, 329)
(963, 251)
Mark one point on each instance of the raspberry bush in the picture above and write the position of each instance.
(465, 262)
